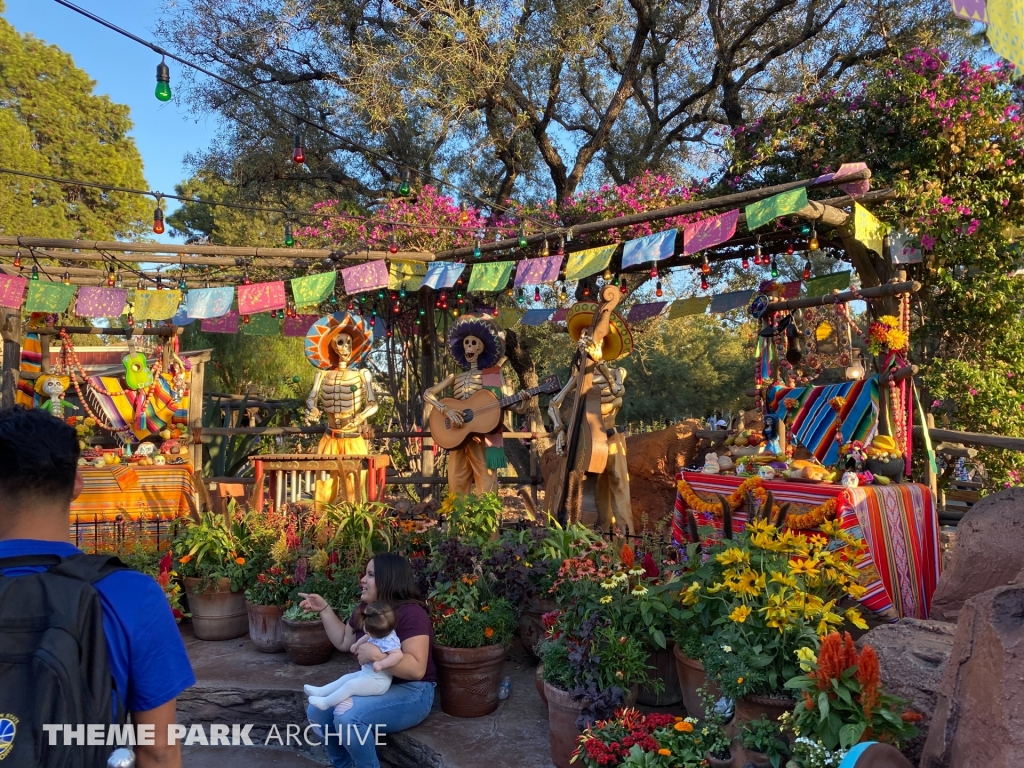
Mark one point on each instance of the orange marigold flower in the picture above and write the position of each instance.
(488, 632)
(240, 560)
(684, 727)
(184, 559)
(664, 751)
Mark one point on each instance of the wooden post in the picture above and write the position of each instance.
(10, 331)
(930, 478)
(195, 407)
(427, 332)
(534, 469)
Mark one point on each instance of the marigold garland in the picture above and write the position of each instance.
(755, 486)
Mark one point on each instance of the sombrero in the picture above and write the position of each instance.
(485, 329)
(618, 342)
(322, 332)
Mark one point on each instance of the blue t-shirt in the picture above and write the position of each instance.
(144, 649)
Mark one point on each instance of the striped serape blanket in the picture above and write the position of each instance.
(109, 396)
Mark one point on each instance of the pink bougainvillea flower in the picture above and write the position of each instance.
(973, 392)
(928, 242)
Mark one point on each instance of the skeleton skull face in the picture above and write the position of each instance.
(53, 387)
(343, 346)
(472, 347)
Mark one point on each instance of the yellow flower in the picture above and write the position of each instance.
(778, 577)
(606, 599)
(802, 568)
(639, 591)
(746, 584)
(664, 751)
(854, 617)
(684, 727)
(690, 594)
(856, 591)
(608, 584)
(733, 555)
(806, 658)
(739, 681)
(740, 613)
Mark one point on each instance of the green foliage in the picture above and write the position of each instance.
(210, 550)
(270, 588)
(949, 140)
(765, 736)
(357, 531)
(294, 613)
(53, 124)
(470, 518)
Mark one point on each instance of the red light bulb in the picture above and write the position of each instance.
(158, 221)
(654, 272)
(745, 263)
(705, 268)
(393, 248)
(657, 289)
(807, 271)
(790, 249)
(703, 282)
(299, 153)
(17, 259)
(245, 319)
(536, 293)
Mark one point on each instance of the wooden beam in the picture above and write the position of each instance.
(975, 438)
(880, 291)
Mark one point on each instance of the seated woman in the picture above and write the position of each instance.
(407, 702)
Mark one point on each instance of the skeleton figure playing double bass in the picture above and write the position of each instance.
(611, 489)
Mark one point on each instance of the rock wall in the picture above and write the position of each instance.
(654, 458)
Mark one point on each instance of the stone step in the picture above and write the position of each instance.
(236, 683)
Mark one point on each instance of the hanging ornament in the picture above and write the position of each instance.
(657, 289)
(17, 259)
(812, 244)
(807, 270)
(163, 81)
(404, 188)
(299, 152)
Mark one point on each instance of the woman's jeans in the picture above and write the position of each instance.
(350, 736)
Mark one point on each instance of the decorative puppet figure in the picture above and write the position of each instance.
(478, 346)
(53, 388)
(335, 345)
(612, 493)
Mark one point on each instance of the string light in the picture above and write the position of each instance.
(17, 259)
(159, 283)
(463, 212)
(299, 152)
(705, 267)
(622, 286)
(289, 238)
(118, 282)
(130, 319)
(350, 306)
(158, 219)
(245, 319)
(607, 276)
(703, 282)
(245, 277)
(654, 272)
(745, 263)
(393, 246)
(807, 270)
(522, 236)
(149, 325)
(657, 289)
(561, 246)
(67, 278)
(545, 250)
(477, 252)
(404, 188)
(563, 295)
(790, 249)
(138, 284)
(334, 300)
(775, 268)
(111, 278)
(757, 254)
(812, 244)
(586, 291)
(35, 272)
(521, 298)
(401, 291)
(536, 293)
(182, 285)
(163, 81)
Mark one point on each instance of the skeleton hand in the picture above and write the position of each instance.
(560, 444)
(592, 348)
(454, 416)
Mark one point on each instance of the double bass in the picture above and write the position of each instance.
(586, 445)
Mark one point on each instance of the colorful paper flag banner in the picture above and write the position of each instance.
(709, 232)
(263, 324)
(867, 229)
(261, 297)
(310, 290)
(490, 277)
(48, 297)
(589, 262)
(560, 315)
(508, 318)
(156, 305)
(727, 302)
(536, 316)
(206, 303)
(181, 318)
(1006, 29)
(12, 291)
(791, 290)
(638, 313)
(826, 284)
(656, 247)
(299, 325)
(763, 211)
(226, 323)
(538, 271)
(366, 277)
(406, 274)
(902, 249)
(443, 274)
(846, 170)
(972, 10)
(684, 307)
(100, 302)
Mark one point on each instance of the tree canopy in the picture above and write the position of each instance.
(53, 124)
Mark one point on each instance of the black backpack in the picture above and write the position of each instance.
(53, 661)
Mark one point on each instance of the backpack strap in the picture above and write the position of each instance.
(26, 561)
(88, 568)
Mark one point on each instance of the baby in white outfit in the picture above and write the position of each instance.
(371, 679)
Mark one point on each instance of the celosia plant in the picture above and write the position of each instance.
(632, 738)
(842, 700)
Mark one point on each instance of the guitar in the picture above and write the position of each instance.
(136, 371)
(481, 413)
(586, 445)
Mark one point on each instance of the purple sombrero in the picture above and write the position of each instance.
(322, 332)
(485, 329)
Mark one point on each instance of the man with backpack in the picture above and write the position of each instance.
(83, 639)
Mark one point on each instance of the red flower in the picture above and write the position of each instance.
(177, 613)
(627, 556)
(166, 562)
(650, 568)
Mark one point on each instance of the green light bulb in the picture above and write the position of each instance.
(163, 81)
(163, 91)
(775, 269)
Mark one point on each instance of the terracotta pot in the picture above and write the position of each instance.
(217, 613)
(538, 680)
(691, 677)
(663, 661)
(757, 759)
(752, 707)
(531, 623)
(306, 642)
(469, 679)
(717, 762)
(265, 627)
(562, 714)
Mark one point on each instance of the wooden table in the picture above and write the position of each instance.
(292, 475)
(899, 523)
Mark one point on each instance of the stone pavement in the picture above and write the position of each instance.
(238, 684)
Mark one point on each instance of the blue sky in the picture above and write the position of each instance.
(125, 71)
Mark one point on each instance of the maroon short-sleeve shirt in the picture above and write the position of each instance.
(411, 620)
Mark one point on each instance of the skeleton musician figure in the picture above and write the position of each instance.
(478, 346)
(335, 345)
(611, 492)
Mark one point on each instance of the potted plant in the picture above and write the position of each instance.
(214, 571)
(304, 638)
(631, 738)
(842, 701)
(808, 753)
(264, 602)
(763, 743)
(472, 630)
